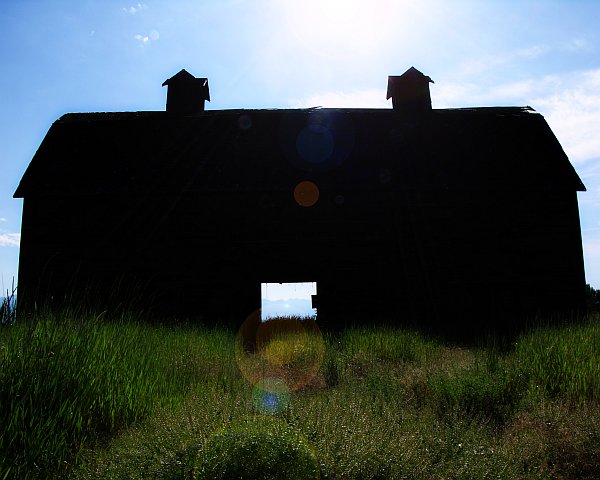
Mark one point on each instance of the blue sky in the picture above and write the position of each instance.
(287, 299)
(106, 55)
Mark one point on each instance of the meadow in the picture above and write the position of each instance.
(86, 396)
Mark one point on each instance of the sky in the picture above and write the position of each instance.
(287, 299)
(110, 55)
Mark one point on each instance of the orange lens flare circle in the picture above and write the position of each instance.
(306, 193)
(279, 355)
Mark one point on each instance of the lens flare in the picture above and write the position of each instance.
(315, 143)
(270, 396)
(317, 140)
(306, 193)
(278, 353)
(244, 122)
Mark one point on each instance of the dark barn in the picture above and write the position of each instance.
(459, 218)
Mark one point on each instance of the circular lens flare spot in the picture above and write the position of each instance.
(315, 143)
(285, 350)
(270, 396)
(244, 122)
(306, 193)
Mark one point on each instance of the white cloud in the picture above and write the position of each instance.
(570, 103)
(372, 98)
(144, 39)
(522, 92)
(10, 239)
(521, 89)
(2, 219)
(573, 112)
(454, 95)
(133, 9)
(457, 95)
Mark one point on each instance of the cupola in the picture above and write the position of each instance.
(410, 92)
(186, 93)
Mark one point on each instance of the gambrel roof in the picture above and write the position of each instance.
(498, 148)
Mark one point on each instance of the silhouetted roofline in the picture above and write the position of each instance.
(83, 116)
(475, 148)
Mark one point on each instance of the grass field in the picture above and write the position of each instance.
(84, 397)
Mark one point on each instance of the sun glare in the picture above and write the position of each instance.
(338, 28)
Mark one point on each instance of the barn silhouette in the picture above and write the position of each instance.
(462, 218)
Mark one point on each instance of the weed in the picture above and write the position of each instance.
(8, 306)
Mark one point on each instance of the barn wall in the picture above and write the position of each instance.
(453, 260)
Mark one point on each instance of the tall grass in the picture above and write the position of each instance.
(385, 344)
(8, 306)
(66, 381)
(562, 360)
(120, 399)
(352, 351)
(547, 361)
(489, 390)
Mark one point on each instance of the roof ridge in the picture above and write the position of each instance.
(75, 116)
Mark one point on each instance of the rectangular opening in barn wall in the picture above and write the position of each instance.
(288, 299)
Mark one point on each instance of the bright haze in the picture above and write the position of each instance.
(105, 55)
